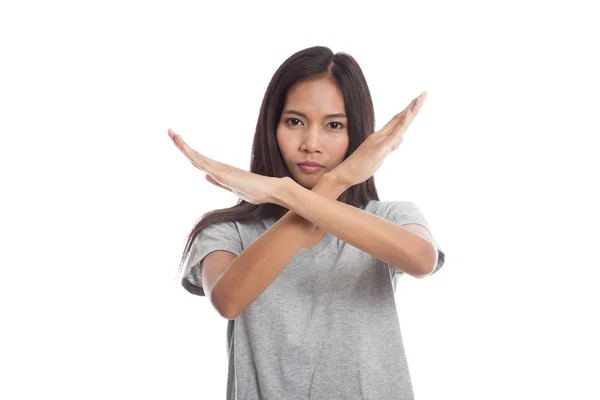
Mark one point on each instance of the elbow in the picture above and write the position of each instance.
(419, 264)
(427, 261)
(229, 314)
(222, 306)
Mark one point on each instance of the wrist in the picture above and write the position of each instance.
(330, 186)
(334, 184)
(282, 190)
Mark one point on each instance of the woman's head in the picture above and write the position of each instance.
(313, 127)
(308, 86)
(314, 82)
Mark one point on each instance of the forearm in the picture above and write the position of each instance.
(258, 265)
(389, 242)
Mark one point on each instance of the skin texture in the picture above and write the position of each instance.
(259, 189)
(314, 136)
(312, 212)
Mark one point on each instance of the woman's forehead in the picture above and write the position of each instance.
(318, 97)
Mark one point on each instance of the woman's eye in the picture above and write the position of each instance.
(296, 122)
(339, 126)
(292, 119)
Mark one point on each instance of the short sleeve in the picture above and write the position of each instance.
(219, 236)
(406, 212)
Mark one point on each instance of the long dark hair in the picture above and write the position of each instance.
(311, 63)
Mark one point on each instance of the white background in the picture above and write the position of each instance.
(97, 201)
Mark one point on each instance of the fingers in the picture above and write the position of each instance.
(408, 115)
(396, 119)
(202, 162)
(172, 136)
(404, 116)
(217, 173)
(414, 106)
(418, 103)
(393, 139)
(192, 155)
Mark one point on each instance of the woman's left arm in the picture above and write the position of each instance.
(389, 242)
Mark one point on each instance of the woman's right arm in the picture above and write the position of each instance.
(257, 266)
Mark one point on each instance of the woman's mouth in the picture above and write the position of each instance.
(310, 168)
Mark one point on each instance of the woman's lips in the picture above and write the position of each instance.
(310, 168)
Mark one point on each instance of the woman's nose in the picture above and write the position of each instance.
(310, 140)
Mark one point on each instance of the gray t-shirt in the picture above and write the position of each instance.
(326, 328)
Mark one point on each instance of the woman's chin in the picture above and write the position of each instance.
(306, 182)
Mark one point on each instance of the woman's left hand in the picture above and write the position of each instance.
(254, 188)
(368, 157)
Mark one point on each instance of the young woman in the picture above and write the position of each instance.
(305, 266)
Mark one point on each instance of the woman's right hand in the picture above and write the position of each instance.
(369, 156)
(251, 187)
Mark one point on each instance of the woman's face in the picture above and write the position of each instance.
(313, 127)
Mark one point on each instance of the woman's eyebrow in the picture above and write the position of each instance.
(338, 115)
